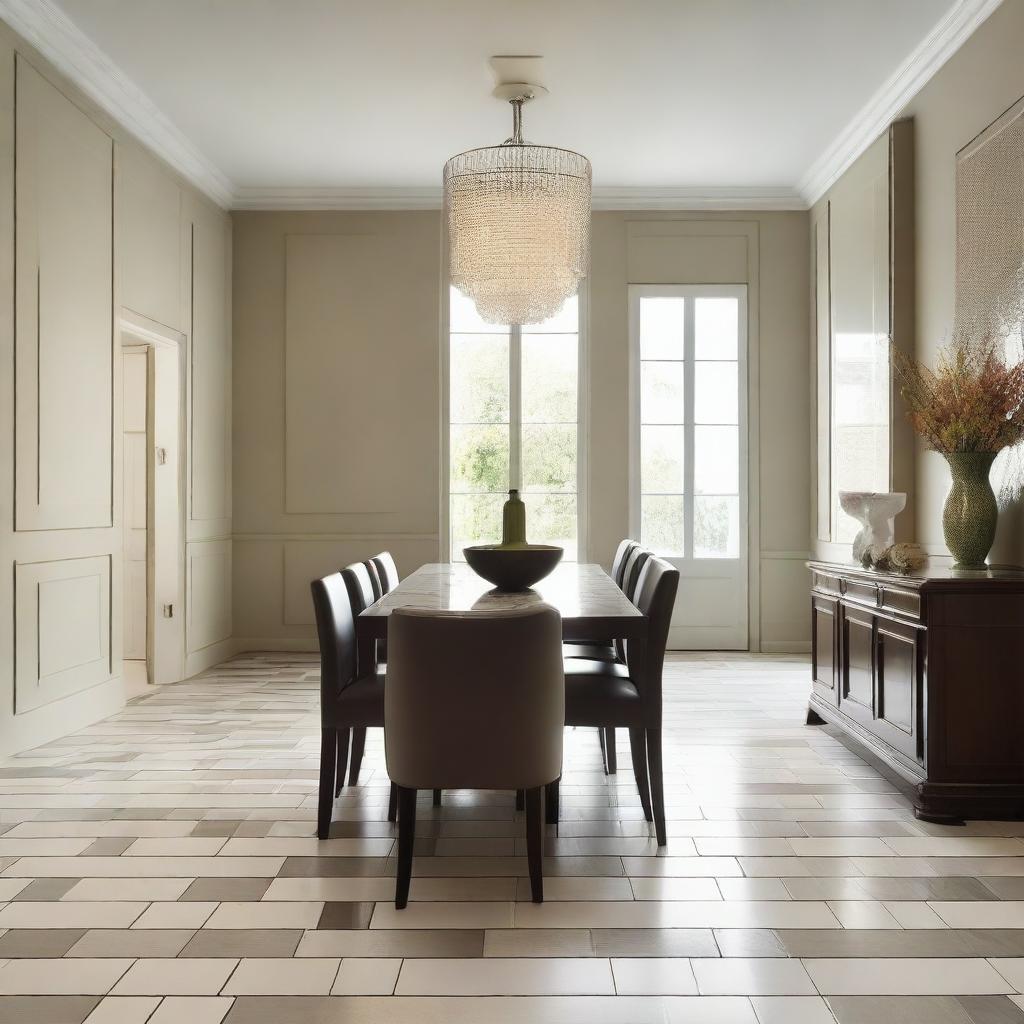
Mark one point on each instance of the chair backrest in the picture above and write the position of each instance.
(655, 597)
(336, 630)
(622, 554)
(632, 569)
(474, 700)
(386, 570)
(360, 586)
(376, 583)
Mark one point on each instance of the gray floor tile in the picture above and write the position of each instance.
(140, 942)
(335, 867)
(240, 942)
(991, 1010)
(1004, 887)
(46, 889)
(225, 890)
(898, 1010)
(46, 1009)
(385, 943)
(112, 846)
(37, 943)
(631, 942)
(865, 942)
(539, 942)
(345, 916)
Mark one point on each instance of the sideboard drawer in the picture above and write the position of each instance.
(901, 602)
(860, 592)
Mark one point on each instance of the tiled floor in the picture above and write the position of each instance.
(161, 867)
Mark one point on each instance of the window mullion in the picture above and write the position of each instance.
(689, 349)
(515, 412)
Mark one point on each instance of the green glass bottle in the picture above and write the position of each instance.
(513, 521)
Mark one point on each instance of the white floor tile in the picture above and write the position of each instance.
(306, 976)
(79, 977)
(765, 976)
(914, 914)
(792, 1010)
(673, 889)
(188, 976)
(862, 914)
(123, 1010)
(653, 976)
(190, 914)
(965, 914)
(188, 846)
(265, 915)
(497, 977)
(366, 976)
(29, 914)
(155, 890)
(192, 1010)
(905, 977)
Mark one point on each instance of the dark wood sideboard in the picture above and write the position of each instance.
(927, 671)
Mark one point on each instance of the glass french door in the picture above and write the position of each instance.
(688, 452)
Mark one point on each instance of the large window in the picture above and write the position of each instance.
(513, 401)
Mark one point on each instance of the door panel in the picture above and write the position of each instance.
(857, 678)
(899, 686)
(688, 468)
(823, 648)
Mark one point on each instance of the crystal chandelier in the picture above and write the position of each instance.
(518, 218)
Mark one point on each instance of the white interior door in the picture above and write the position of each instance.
(166, 547)
(688, 464)
(135, 385)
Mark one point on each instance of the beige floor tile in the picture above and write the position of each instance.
(188, 846)
(914, 914)
(682, 867)
(10, 887)
(69, 915)
(965, 914)
(42, 847)
(905, 976)
(265, 915)
(744, 847)
(568, 888)
(839, 846)
(192, 1010)
(193, 914)
(499, 977)
(60, 977)
(749, 976)
(155, 890)
(148, 867)
(444, 915)
(180, 977)
(1012, 969)
(306, 976)
(862, 914)
(792, 1010)
(366, 976)
(297, 847)
(123, 1010)
(967, 846)
(654, 976)
(675, 889)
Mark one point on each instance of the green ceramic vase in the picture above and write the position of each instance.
(970, 513)
(513, 521)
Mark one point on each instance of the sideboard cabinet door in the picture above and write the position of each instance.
(857, 665)
(899, 706)
(824, 647)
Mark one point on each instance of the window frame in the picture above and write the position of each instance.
(744, 412)
(515, 421)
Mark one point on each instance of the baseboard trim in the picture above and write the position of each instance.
(250, 644)
(785, 646)
(207, 657)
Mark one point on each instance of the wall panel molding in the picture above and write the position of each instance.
(62, 628)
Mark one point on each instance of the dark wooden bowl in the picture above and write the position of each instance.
(513, 568)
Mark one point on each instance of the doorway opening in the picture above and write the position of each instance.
(153, 523)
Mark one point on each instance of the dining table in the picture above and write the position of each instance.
(591, 604)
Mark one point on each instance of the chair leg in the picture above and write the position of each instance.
(358, 746)
(393, 803)
(609, 751)
(406, 841)
(638, 750)
(604, 758)
(437, 798)
(328, 762)
(551, 802)
(520, 799)
(657, 783)
(342, 761)
(534, 800)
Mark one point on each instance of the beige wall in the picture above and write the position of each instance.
(105, 232)
(337, 378)
(977, 84)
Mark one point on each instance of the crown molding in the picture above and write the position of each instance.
(604, 198)
(900, 88)
(75, 55)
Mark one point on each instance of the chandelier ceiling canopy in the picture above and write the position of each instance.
(518, 220)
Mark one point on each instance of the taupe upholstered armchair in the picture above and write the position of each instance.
(474, 700)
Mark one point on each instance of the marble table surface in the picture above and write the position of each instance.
(591, 605)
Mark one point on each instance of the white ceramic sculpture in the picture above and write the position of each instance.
(875, 511)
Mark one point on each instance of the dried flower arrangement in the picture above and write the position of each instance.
(973, 401)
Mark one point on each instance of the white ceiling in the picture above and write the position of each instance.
(661, 94)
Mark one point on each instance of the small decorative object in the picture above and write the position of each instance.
(897, 558)
(875, 511)
(513, 564)
(969, 408)
(518, 215)
(513, 521)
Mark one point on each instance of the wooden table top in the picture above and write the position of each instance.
(591, 605)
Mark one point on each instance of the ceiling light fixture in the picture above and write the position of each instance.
(518, 216)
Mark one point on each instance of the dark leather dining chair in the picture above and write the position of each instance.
(474, 700)
(387, 571)
(348, 699)
(602, 649)
(611, 694)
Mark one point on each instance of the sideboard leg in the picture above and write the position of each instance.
(937, 819)
(813, 718)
